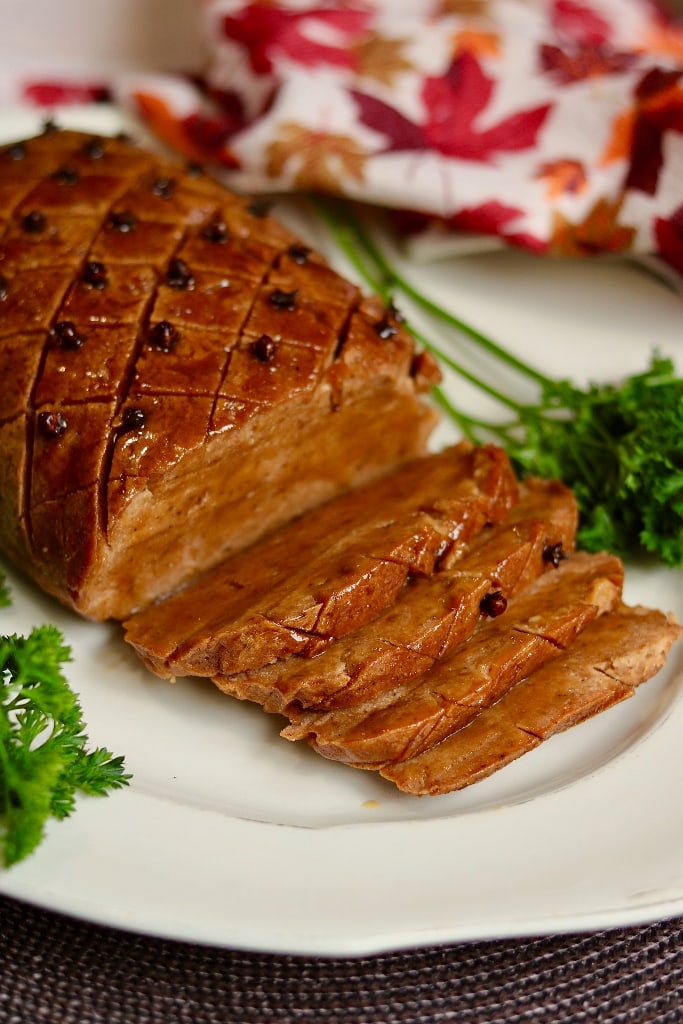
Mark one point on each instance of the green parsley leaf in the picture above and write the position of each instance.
(44, 755)
(619, 446)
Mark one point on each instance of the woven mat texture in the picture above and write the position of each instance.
(57, 970)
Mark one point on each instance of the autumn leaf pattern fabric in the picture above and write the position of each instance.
(552, 125)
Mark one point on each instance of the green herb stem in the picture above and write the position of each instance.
(619, 447)
(347, 233)
(355, 235)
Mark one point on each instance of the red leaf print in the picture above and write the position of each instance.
(50, 94)
(210, 136)
(584, 50)
(576, 63)
(263, 30)
(494, 218)
(453, 103)
(669, 236)
(403, 133)
(462, 93)
(231, 105)
(580, 23)
(646, 156)
(489, 218)
(661, 111)
(655, 82)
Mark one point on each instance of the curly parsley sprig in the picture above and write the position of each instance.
(619, 446)
(44, 757)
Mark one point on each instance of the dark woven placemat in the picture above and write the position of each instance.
(61, 971)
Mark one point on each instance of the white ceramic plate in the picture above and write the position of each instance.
(229, 835)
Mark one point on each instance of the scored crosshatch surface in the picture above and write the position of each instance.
(65, 972)
(225, 297)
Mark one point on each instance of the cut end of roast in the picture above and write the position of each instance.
(179, 374)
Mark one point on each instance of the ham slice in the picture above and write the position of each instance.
(536, 627)
(329, 572)
(613, 656)
(431, 614)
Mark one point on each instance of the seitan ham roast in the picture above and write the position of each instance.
(615, 654)
(430, 615)
(408, 717)
(179, 374)
(329, 572)
(210, 436)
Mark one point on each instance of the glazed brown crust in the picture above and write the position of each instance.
(192, 399)
(536, 627)
(430, 615)
(616, 653)
(155, 328)
(326, 574)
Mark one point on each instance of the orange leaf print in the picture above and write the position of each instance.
(164, 123)
(664, 38)
(620, 142)
(563, 177)
(600, 231)
(465, 8)
(380, 58)
(621, 138)
(661, 99)
(320, 160)
(477, 42)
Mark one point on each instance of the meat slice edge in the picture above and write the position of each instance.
(327, 572)
(98, 233)
(537, 626)
(616, 653)
(431, 614)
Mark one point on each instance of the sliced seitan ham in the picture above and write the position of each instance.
(536, 627)
(328, 572)
(615, 654)
(179, 375)
(431, 614)
(211, 436)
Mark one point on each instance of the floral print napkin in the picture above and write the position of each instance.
(553, 125)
